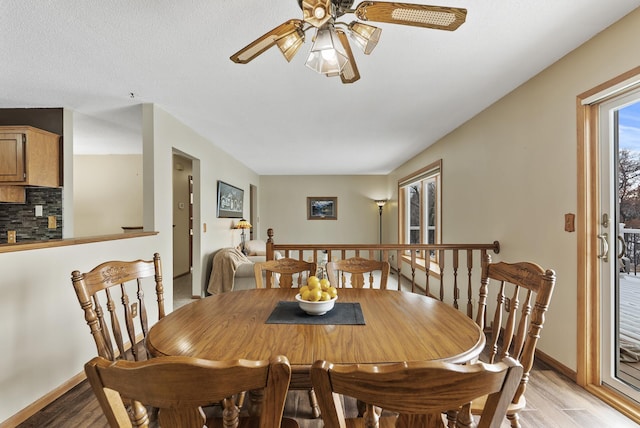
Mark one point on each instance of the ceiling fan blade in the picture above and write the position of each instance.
(417, 15)
(263, 43)
(350, 71)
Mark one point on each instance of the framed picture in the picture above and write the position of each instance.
(322, 208)
(230, 200)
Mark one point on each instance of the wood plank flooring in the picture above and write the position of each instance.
(553, 401)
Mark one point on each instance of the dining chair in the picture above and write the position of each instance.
(413, 394)
(180, 386)
(283, 272)
(287, 273)
(111, 284)
(522, 293)
(357, 267)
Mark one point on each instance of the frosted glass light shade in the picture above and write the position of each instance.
(327, 57)
(365, 36)
(290, 44)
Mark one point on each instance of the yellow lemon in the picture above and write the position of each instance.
(313, 282)
(324, 283)
(314, 295)
(305, 294)
(332, 291)
(303, 289)
(325, 296)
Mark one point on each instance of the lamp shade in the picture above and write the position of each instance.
(327, 57)
(381, 202)
(243, 224)
(366, 36)
(290, 44)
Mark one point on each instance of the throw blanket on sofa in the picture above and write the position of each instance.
(223, 270)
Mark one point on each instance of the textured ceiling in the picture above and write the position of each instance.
(278, 117)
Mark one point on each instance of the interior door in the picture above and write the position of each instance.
(620, 188)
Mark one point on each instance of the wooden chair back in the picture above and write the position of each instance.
(288, 270)
(522, 293)
(418, 391)
(357, 267)
(118, 286)
(179, 386)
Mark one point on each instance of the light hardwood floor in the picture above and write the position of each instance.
(553, 401)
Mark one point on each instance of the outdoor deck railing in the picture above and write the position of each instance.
(630, 258)
(449, 268)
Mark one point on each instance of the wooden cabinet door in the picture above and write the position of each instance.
(12, 160)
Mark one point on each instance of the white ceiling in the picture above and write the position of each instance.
(278, 117)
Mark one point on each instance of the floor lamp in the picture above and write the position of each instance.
(243, 224)
(380, 203)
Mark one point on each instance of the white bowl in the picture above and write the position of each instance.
(320, 307)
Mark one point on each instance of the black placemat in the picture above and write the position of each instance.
(342, 313)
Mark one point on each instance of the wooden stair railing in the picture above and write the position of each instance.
(443, 271)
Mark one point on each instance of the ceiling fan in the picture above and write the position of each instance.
(331, 53)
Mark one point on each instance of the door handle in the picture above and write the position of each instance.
(605, 247)
(623, 247)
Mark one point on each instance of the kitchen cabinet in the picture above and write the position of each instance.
(28, 157)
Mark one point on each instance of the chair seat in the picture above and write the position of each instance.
(251, 422)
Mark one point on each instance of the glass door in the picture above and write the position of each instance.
(619, 236)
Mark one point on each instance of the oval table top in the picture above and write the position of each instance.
(399, 326)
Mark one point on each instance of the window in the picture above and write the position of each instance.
(420, 206)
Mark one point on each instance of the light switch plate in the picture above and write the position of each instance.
(38, 210)
(11, 236)
(52, 222)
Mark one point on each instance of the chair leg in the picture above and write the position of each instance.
(313, 400)
(240, 399)
(139, 415)
(514, 419)
(461, 418)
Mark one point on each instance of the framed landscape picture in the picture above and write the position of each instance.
(230, 200)
(322, 208)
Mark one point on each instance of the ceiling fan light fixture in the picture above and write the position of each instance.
(290, 44)
(327, 57)
(366, 36)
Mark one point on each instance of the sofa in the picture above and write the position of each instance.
(233, 270)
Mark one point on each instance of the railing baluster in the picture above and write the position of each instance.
(441, 262)
(456, 290)
(427, 269)
(469, 287)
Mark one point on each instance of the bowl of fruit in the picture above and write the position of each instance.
(317, 297)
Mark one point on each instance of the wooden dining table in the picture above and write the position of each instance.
(398, 326)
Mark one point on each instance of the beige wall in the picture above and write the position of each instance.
(283, 207)
(107, 193)
(510, 173)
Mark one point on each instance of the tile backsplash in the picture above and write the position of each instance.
(22, 217)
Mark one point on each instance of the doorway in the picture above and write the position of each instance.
(619, 125)
(608, 188)
(182, 229)
(253, 211)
